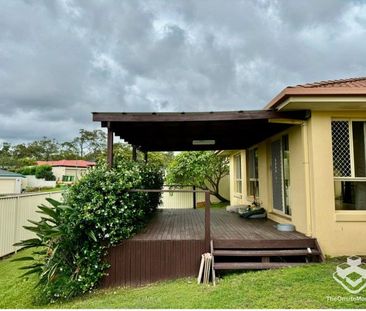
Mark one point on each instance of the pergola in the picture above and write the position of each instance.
(226, 130)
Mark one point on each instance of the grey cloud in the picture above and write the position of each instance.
(61, 60)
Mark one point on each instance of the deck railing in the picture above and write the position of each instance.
(207, 207)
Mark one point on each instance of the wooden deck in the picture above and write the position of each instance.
(188, 224)
(172, 244)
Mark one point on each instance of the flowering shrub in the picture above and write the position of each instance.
(98, 212)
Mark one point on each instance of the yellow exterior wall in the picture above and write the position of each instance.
(338, 232)
(297, 199)
(311, 186)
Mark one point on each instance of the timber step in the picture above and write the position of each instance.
(266, 244)
(269, 253)
(263, 254)
(253, 265)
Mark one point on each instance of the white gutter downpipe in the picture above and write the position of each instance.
(308, 201)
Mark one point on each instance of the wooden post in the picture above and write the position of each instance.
(207, 221)
(110, 147)
(194, 197)
(145, 156)
(134, 153)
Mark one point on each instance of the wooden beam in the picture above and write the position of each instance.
(207, 221)
(134, 153)
(199, 116)
(110, 147)
(194, 197)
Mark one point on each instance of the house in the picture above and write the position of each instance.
(68, 170)
(10, 183)
(302, 157)
(313, 174)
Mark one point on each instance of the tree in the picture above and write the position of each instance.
(203, 169)
(123, 152)
(44, 171)
(68, 151)
(5, 155)
(90, 143)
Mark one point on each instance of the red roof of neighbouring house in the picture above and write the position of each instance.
(68, 163)
(344, 87)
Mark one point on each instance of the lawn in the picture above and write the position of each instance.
(298, 287)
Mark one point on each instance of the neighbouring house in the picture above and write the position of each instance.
(303, 157)
(313, 174)
(10, 183)
(68, 170)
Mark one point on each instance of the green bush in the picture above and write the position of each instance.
(98, 212)
(27, 170)
(44, 171)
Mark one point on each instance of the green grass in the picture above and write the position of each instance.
(298, 287)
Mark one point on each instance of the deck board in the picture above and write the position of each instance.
(171, 245)
(188, 224)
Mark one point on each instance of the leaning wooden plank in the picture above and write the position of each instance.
(212, 264)
(200, 272)
(206, 275)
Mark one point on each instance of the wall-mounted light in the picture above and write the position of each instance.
(203, 142)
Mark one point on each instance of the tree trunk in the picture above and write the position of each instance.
(217, 195)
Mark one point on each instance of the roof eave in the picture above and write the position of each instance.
(319, 91)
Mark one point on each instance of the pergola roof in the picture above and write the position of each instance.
(177, 131)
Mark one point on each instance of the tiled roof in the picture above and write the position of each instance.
(352, 82)
(68, 163)
(341, 87)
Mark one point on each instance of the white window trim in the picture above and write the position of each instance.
(349, 215)
(251, 196)
(236, 193)
(352, 160)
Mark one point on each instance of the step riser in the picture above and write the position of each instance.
(278, 253)
(264, 244)
(264, 251)
(253, 266)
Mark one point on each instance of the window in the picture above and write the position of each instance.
(286, 174)
(237, 172)
(68, 178)
(253, 185)
(349, 164)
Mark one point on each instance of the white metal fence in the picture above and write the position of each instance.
(182, 199)
(15, 210)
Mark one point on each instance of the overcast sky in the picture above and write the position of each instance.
(62, 60)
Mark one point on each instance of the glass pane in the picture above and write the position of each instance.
(286, 173)
(237, 167)
(350, 195)
(238, 186)
(359, 148)
(341, 149)
(254, 188)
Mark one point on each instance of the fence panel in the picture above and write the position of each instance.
(185, 199)
(15, 210)
(177, 199)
